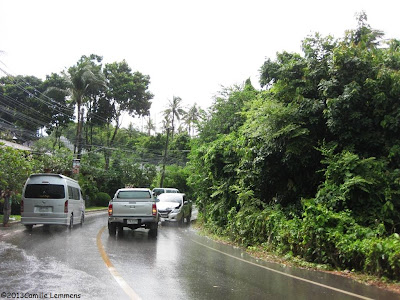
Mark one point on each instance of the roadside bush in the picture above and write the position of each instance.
(353, 183)
(272, 226)
(335, 238)
(321, 235)
(102, 199)
(381, 256)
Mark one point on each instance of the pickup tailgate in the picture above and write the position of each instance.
(133, 203)
(132, 208)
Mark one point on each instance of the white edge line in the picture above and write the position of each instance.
(285, 274)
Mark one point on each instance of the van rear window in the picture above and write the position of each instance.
(52, 191)
(133, 195)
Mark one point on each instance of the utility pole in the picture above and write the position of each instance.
(76, 164)
(164, 160)
(80, 136)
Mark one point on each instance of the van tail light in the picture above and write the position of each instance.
(154, 211)
(22, 206)
(110, 210)
(66, 207)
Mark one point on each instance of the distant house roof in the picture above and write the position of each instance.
(14, 145)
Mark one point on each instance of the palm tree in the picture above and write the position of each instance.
(150, 126)
(174, 110)
(82, 77)
(192, 117)
(165, 123)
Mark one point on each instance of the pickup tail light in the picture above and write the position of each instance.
(22, 206)
(110, 209)
(66, 207)
(154, 210)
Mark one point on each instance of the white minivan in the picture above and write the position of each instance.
(52, 199)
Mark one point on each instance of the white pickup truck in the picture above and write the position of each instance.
(133, 208)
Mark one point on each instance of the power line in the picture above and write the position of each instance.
(52, 101)
(54, 104)
(26, 107)
(20, 116)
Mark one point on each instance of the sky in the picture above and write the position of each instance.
(190, 49)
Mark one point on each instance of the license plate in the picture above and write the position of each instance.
(132, 221)
(43, 209)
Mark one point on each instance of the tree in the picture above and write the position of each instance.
(55, 91)
(225, 115)
(15, 168)
(81, 78)
(192, 117)
(21, 107)
(127, 92)
(166, 123)
(173, 111)
(150, 126)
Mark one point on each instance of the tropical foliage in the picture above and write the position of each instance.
(309, 166)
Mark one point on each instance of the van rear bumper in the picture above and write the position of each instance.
(45, 221)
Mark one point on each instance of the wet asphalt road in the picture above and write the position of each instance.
(178, 264)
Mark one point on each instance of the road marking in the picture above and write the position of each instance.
(288, 275)
(125, 286)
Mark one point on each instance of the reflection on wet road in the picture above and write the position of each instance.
(54, 261)
(178, 264)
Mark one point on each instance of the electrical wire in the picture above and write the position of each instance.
(21, 104)
(47, 100)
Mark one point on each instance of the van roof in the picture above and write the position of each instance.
(133, 189)
(53, 175)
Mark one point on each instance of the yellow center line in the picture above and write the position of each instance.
(285, 274)
(125, 286)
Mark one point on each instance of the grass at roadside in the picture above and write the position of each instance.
(16, 218)
(12, 218)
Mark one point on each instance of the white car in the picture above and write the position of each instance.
(158, 191)
(174, 207)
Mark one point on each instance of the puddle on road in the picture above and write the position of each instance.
(23, 273)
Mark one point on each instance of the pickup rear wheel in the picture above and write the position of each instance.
(153, 230)
(112, 229)
(120, 230)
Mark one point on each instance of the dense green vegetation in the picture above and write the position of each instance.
(308, 166)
